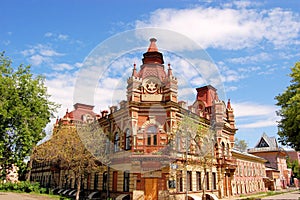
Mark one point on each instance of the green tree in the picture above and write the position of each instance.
(289, 101)
(294, 165)
(240, 145)
(79, 148)
(25, 109)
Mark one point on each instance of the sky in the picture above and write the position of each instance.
(248, 46)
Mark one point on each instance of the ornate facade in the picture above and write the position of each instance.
(148, 159)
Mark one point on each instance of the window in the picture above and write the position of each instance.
(126, 181)
(189, 181)
(104, 183)
(198, 177)
(179, 181)
(223, 150)
(155, 139)
(96, 179)
(151, 132)
(116, 142)
(107, 145)
(214, 181)
(207, 180)
(127, 139)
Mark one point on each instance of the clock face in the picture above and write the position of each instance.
(151, 84)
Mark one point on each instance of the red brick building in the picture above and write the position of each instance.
(148, 159)
(276, 156)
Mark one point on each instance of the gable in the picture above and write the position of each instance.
(262, 143)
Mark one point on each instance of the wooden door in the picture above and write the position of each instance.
(115, 181)
(151, 190)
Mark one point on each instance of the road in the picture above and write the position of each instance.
(295, 195)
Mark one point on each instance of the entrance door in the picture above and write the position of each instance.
(151, 191)
(115, 181)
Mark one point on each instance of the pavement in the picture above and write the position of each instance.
(295, 195)
(22, 196)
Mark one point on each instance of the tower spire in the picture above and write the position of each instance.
(170, 70)
(152, 46)
(134, 72)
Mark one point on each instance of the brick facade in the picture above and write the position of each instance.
(148, 159)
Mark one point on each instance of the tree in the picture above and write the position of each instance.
(240, 145)
(289, 101)
(79, 148)
(25, 109)
(194, 138)
(294, 165)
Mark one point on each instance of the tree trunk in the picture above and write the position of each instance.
(204, 182)
(29, 170)
(78, 188)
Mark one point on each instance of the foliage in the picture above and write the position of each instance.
(192, 137)
(79, 154)
(240, 145)
(23, 186)
(289, 101)
(294, 165)
(25, 109)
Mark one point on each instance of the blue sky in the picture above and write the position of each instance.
(253, 44)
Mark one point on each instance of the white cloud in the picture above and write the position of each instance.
(246, 109)
(37, 59)
(48, 34)
(56, 36)
(62, 37)
(254, 115)
(40, 53)
(250, 59)
(228, 27)
(260, 123)
(49, 52)
(62, 67)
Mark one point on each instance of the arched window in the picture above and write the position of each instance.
(223, 149)
(151, 132)
(116, 142)
(127, 139)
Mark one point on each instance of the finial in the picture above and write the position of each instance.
(228, 104)
(169, 70)
(153, 39)
(152, 47)
(134, 73)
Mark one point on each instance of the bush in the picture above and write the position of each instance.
(23, 186)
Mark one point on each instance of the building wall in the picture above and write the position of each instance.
(277, 161)
(249, 174)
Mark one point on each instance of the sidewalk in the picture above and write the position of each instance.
(290, 193)
(22, 196)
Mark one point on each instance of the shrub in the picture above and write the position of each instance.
(23, 186)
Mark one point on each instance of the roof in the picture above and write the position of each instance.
(236, 153)
(266, 141)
